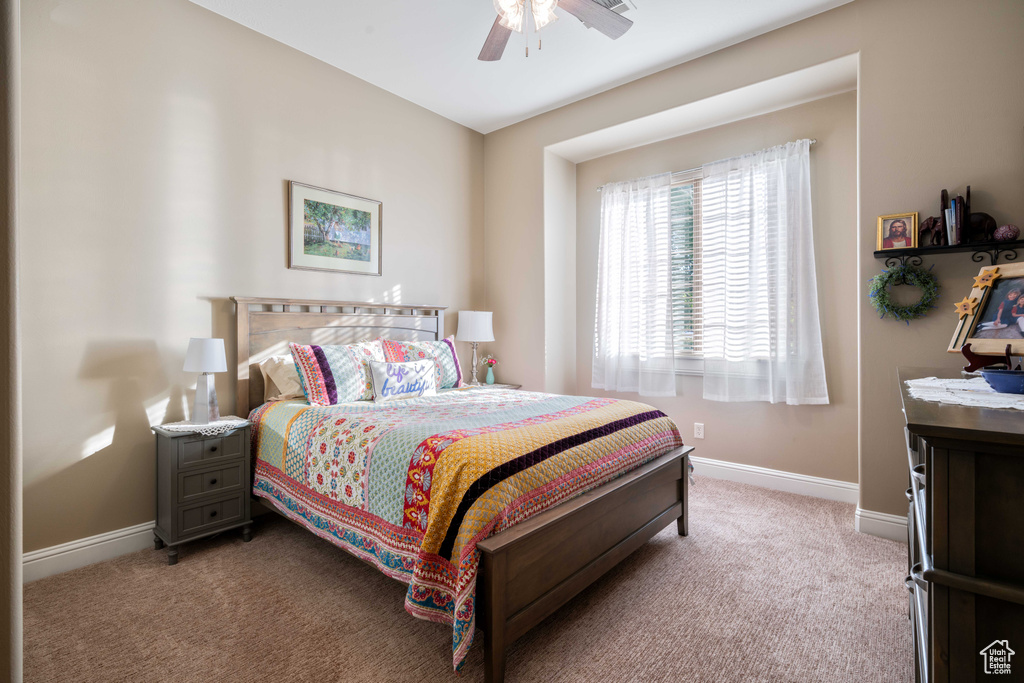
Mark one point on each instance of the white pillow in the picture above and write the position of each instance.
(280, 379)
(393, 381)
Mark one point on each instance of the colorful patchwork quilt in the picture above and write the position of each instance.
(412, 486)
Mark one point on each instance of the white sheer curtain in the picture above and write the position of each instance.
(762, 340)
(633, 345)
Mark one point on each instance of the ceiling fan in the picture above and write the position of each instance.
(512, 17)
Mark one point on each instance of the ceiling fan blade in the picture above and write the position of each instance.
(610, 23)
(494, 46)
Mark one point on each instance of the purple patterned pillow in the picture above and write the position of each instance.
(336, 374)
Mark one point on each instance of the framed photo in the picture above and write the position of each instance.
(333, 231)
(996, 316)
(897, 231)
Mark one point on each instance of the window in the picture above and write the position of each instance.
(711, 271)
(685, 214)
(634, 341)
(762, 339)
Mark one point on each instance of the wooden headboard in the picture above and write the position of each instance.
(266, 326)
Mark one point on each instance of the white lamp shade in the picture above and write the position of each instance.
(475, 326)
(205, 355)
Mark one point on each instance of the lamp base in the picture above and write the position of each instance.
(204, 408)
(475, 382)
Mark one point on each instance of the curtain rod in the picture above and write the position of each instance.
(689, 170)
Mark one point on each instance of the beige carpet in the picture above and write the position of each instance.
(767, 587)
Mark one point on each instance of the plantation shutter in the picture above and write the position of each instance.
(687, 309)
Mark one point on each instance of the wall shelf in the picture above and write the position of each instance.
(991, 250)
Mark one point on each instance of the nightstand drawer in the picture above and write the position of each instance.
(193, 484)
(204, 516)
(197, 451)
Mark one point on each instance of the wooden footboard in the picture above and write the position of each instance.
(535, 567)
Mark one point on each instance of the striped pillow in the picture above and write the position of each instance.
(446, 362)
(336, 374)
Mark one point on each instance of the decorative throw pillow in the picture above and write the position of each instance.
(280, 379)
(403, 380)
(446, 362)
(336, 374)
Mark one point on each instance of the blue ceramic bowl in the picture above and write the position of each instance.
(1005, 381)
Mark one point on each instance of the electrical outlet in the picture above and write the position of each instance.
(698, 430)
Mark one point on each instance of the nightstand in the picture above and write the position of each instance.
(494, 386)
(202, 487)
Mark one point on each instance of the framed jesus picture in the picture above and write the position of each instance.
(992, 315)
(333, 231)
(897, 231)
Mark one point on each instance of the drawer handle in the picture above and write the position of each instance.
(910, 494)
(213, 513)
(918, 473)
(213, 481)
(213, 449)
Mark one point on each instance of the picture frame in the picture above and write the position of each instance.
(907, 239)
(990, 322)
(333, 231)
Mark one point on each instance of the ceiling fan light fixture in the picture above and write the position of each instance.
(512, 13)
(512, 17)
(543, 12)
(513, 22)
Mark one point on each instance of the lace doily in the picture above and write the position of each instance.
(225, 424)
(963, 392)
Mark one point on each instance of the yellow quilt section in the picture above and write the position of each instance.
(467, 460)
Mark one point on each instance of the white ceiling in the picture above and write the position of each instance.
(426, 51)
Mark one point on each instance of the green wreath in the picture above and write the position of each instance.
(915, 276)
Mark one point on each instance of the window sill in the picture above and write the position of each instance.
(689, 366)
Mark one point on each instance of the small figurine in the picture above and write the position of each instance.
(983, 227)
(935, 228)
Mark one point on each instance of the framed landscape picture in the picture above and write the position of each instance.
(333, 231)
(992, 315)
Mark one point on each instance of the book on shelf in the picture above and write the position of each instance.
(951, 225)
(961, 218)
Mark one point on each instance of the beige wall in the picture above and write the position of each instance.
(914, 139)
(780, 437)
(560, 275)
(158, 139)
(10, 421)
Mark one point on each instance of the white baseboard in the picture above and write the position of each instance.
(830, 489)
(85, 551)
(881, 524)
(865, 521)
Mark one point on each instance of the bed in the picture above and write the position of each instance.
(494, 506)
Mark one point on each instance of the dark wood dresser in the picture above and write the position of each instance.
(966, 538)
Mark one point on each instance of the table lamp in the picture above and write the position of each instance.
(475, 327)
(205, 356)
